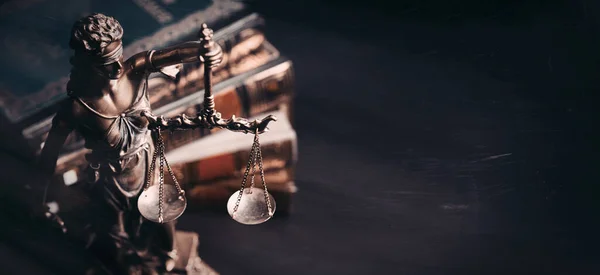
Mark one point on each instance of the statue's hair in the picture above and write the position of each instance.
(94, 32)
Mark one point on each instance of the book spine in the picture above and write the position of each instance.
(277, 155)
(269, 88)
(276, 180)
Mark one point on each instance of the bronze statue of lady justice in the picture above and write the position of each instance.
(109, 106)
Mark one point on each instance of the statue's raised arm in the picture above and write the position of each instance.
(209, 117)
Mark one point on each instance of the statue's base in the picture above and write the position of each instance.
(188, 262)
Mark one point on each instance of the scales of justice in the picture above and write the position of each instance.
(162, 203)
(109, 106)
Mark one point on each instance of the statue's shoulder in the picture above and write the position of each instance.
(67, 112)
(70, 108)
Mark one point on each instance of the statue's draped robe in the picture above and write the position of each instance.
(118, 165)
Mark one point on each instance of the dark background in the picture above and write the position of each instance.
(434, 138)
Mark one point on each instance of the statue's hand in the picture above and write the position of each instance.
(212, 56)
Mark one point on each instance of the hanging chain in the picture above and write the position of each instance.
(253, 173)
(262, 175)
(255, 156)
(163, 163)
(159, 153)
(239, 198)
(150, 173)
(161, 183)
(175, 182)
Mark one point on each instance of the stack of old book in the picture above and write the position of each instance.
(254, 80)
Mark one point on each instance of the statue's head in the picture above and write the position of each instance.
(96, 40)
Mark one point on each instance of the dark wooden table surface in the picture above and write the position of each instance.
(440, 143)
(429, 146)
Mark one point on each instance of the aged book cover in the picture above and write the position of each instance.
(38, 32)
